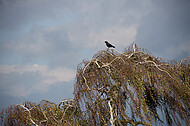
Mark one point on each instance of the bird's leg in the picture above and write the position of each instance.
(112, 51)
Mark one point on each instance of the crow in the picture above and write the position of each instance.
(109, 45)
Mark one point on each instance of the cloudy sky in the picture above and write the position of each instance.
(42, 41)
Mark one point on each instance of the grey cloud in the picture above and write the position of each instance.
(18, 80)
(50, 45)
(166, 28)
(159, 25)
(56, 93)
(59, 92)
(18, 85)
(89, 16)
(106, 20)
(7, 100)
(15, 14)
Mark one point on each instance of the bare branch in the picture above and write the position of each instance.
(28, 112)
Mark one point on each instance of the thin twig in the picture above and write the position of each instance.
(179, 64)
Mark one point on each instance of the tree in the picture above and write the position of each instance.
(114, 88)
(45, 113)
(134, 88)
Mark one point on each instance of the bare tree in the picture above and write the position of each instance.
(134, 88)
(45, 113)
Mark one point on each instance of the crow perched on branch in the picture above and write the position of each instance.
(109, 45)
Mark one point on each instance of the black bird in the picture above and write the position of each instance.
(109, 45)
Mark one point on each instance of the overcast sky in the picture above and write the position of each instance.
(42, 41)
